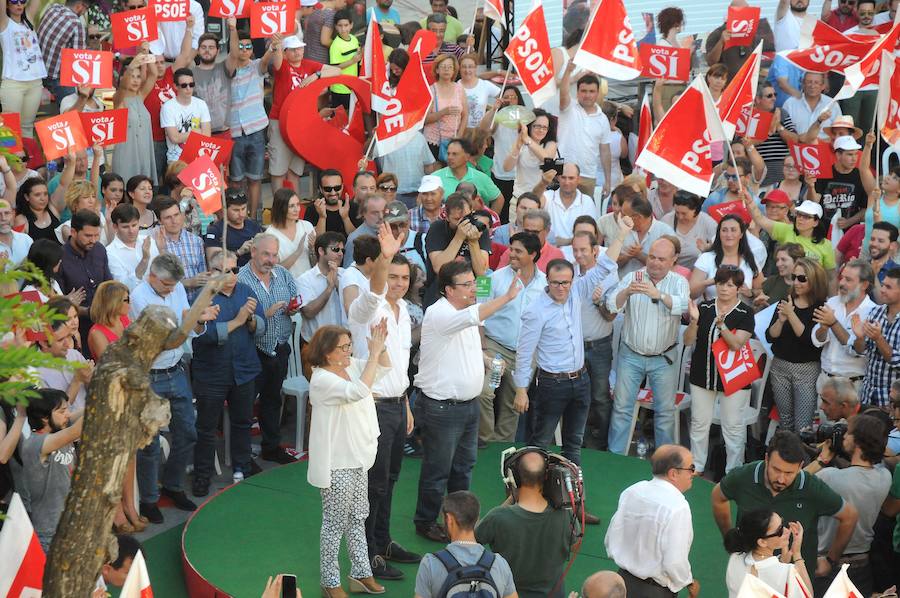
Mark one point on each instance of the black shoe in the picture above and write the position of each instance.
(433, 532)
(381, 570)
(278, 455)
(398, 554)
(412, 449)
(254, 469)
(591, 519)
(180, 499)
(151, 512)
(200, 487)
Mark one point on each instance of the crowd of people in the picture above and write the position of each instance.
(482, 283)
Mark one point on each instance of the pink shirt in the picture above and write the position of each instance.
(548, 252)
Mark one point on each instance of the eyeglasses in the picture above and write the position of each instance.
(186, 85)
(468, 284)
(90, 36)
(336, 249)
(692, 468)
(18, 1)
(540, 127)
(387, 188)
(234, 270)
(560, 283)
(345, 347)
(332, 189)
(777, 533)
(799, 277)
(245, 46)
(731, 177)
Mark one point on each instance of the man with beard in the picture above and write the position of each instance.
(212, 78)
(788, 17)
(833, 324)
(843, 18)
(332, 208)
(882, 245)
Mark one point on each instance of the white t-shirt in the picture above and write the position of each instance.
(478, 98)
(351, 277)
(184, 119)
(706, 263)
(22, 59)
(787, 32)
(580, 136)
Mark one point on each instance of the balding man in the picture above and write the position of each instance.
(603, 584)
(651, 532)
(653, 299)
(813, 111)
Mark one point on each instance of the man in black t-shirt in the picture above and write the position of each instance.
(332, 210)
(453, 239)
(849, 186)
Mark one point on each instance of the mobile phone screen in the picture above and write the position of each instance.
(288, 586)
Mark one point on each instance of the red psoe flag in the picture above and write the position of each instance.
(529, 51)
(493, 9)
(170, 11)
(608, 47)
(679, 148)
(823, 48)
(406, 110)
(423, 43)
(857, 73)
(739, 93)
(813, 159)
(889, 99)
(137, 583)
(203, 176)
(22, 565)
(88, 68)
(374, 67)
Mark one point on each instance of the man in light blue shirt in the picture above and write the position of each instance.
(551, 335)
(501, 333)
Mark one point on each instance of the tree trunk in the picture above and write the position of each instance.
(122, 414)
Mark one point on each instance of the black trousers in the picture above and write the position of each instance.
(384, 474)
(644, 588)
(268, 387)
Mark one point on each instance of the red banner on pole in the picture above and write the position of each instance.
(106, 128)
(740, 93)
(529, 51)
(608, 47)
(406, 110)
(742, 24)
(664, 62)
(737, 369)
(813, 159)
(87, 68)
(889, 99)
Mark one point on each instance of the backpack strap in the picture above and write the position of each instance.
(449, 561)
(419, 245)
(486, 561)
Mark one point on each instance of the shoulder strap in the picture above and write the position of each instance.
(419, 244)
(487, 560)
(448, 560)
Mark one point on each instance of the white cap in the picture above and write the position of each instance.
(810, 208)
(846, 143)
(291, 42)
(430, 183)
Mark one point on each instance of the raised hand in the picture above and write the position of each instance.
(320, 207)
(275, 308)
(344, 209)
(626, 225)
(390, 244)
(824, 315)
(377, 338)
(514, 288)
(856, 324)
(694, 311)
(872, 330)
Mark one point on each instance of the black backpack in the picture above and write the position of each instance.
(470, 581)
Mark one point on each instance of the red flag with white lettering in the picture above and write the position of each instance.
(22, 565)
(823, 48)
(61, 134)
(889, 99)
(423, 43)
(645, 124)
(269, 18)
(742, 22)
(868, 66)
(170, 11)
(529, 52)
(374, 67)
(197, 144)
(679, 148)
(842, 587)
(665, 62)
(740, 92)
(133, 27)
(737, 369)
(406, 110)
(813, 159)
(493, 9)
(608, 47)
(106, 128)
(754, 124)
(203, 176)
(137, 583)
(239, 9)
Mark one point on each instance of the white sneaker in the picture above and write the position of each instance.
(237, 476)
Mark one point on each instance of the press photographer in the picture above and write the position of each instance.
(538, 512)
(825, 446)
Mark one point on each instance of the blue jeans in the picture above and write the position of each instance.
(248, 156)
(175, 387)
(566, 399)
(598, 356)
(450, 443)
(662, 375)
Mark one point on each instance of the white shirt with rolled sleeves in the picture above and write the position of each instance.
(562, 218)
(450, 357)
(581, 135)
(123, 260)
(367, 310)
(142, 296)
(651, 328)
(310, 285)
(838, 359)
(651, 532)
(803, 117)
(170, 34)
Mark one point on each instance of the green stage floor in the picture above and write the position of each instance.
(269, 524)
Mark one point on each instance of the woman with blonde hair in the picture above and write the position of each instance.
(109, 313)
(80, 195)
(449, 111)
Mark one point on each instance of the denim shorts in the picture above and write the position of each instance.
(248, 156)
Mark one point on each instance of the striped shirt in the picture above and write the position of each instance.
(880, 374)
(60, 28)
(281, 287)
(247, 115)
(189, 249)
(651, 328)
(774, 150)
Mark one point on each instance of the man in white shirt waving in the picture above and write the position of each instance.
(383, 301)
(650, 534)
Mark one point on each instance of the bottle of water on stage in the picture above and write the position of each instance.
(496, 371)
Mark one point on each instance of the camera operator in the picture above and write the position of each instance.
(864, 485)
(532, 536)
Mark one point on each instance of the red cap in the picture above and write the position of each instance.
(777, 196)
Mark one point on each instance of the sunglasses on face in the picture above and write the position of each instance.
(387, 188)
(186, 85)
(18, 1)
(245, 46)
(777, 533)
(799, 277)
(332, 189)
(234, 270)
(731, 177)
(336, 249)
(91, 36)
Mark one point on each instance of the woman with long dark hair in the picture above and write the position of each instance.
(296, 236)
(730, 247)
(46, 256)
(139, 193)
(759, 533)
(35, 211)
(693, 227)
(536, 142)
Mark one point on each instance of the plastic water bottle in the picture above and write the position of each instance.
(642, 448)
(496, 371)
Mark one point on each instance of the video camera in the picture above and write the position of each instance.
(833, 431)
(474, 221)
(563, 483)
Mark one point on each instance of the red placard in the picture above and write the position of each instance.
(133, 27)
(13, 122)
(218, 149)
(813, 159)
(87, 68)
(204, 178)
(664, 62)
(61, 134)
(754, 124)
(106, 128)
(167, 11)
(239, 9)
(269, 18)
(737, 369)
(737, 208)
(742, 23)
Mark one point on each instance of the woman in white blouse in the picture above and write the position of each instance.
(752, 544)
(295, 236)
(342, 445)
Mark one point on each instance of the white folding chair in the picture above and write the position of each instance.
(296, 385)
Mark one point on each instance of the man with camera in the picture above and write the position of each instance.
(862, 485)
(526, 520)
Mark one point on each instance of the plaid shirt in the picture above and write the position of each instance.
(418, 223)
(189, 249)
(281, 288)
(60, 28)
(880, 374)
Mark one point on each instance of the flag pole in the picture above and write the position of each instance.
(502, 89)
(371, 145)
(471, 30)
(734, 164)
(224, 212)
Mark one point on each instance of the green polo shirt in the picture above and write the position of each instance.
(486, 187)
(807, 499)
(454, 28)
